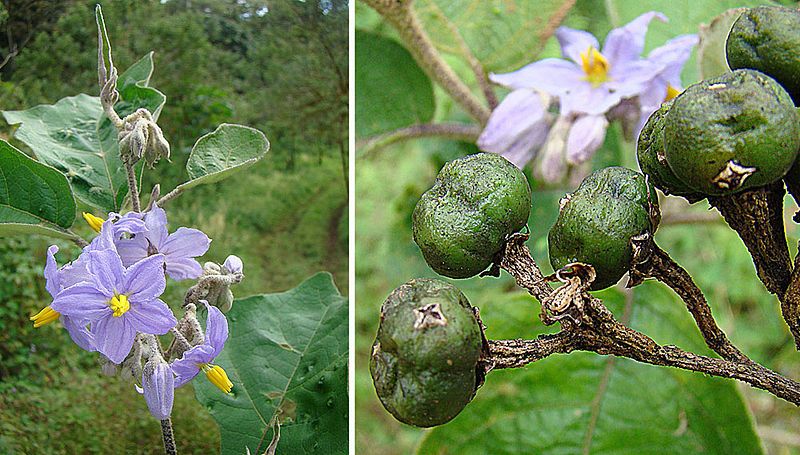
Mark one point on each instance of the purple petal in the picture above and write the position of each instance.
(158, 383)
(130, 223)
(144, 280)
(553, 166)
(183, 268)
(153, 317)
(187, 367)
(51, 275)
(113, 337)
(551, 75)
(233, 264)
(82, 301)
(589, 100)
(216, 328)
(186, 242)
(632, 78)
(104, 240)
(132, 250)
(74, 273)
(516, 128)
(79, 333)
(585, 137)
(106, 269)
(673, 56)
(573, 42)
(626, 43)
(156, 221)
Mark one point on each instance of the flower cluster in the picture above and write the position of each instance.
(109, 301)
(588, 90)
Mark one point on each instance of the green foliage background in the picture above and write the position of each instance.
(279, 66)
(579, 403)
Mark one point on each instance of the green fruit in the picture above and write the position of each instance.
(597, 221)
(768, 39)
(653, 161)
(733, 132)
(425, 358)
(461, 223)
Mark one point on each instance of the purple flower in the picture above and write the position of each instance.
(586, 85)
(158, 387)
(118, 302)
(233, 264)
(179, 248)
(57, 279)
(200, 356)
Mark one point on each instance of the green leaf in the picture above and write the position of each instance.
(711, 49)
(75, 137)
(391, 90)
(586, 403)
(503, 34)
(34, 198)
(287, 358)
(223, 152)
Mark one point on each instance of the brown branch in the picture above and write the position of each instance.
(650, 261)
(587, 325)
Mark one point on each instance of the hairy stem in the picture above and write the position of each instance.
(650, 261)
(587, 325)
(456, 131)
(169, 438)
(402, 16)
(133, 187)
(169, 196)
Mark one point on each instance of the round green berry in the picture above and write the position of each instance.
(461, 223)
(424, 360)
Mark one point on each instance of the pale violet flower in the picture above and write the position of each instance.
(158, 388)
(233, 264)
(585, 86)
(200, 357)
(118, 302)
(179, 248)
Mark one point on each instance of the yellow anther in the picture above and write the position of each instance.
(94, 222)
(218, 377)
(119, 304)
(672, 92)
(595, 66)
(46, 316)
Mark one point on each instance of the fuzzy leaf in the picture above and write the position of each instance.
(287, 358)
(34, 198)
(223, 152)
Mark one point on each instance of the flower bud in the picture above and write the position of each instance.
(158, 386)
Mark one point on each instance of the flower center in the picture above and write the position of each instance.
(46, 316)
(672, 92)
(595, 66)
(217, 376)
(119, 304)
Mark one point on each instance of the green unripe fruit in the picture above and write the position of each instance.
(653, 161)
(597, 221)
(768, 39)
(733, 132)
(425, 358)
(460, 224)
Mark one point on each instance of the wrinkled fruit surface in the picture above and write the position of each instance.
(597, 221)
(460, 224)
(733, 132)
(768, 39)
(653, 160)
(424, 359)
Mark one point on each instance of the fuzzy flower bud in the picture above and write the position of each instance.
(140, 137)
(158, 387)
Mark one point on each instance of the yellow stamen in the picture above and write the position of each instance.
(119, 304)
(218, 377)
(672, 92)
(595, 66)
(46, 316)
(94, 222)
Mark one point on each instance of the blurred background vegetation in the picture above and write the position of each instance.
(581, 402)
(280, 66)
